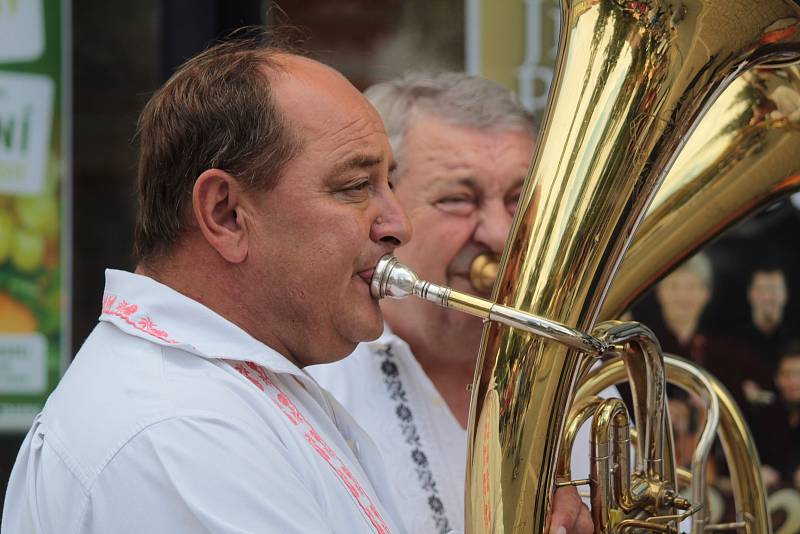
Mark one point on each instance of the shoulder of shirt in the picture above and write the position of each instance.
(163, 429)
(142, 386)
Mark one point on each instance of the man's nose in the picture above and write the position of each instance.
(494, 225)
(391, 225)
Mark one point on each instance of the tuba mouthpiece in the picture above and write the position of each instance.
(392, 279)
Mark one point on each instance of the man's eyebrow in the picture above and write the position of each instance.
(359, 161)
(467, 181)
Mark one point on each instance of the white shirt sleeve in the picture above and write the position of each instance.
(202, 474)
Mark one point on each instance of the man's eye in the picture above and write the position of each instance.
(457, 205)
(512, 203)
(357, 188)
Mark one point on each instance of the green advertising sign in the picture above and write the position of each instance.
(33, 300)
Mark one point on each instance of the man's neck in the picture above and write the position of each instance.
(212, 285)
(451, 369)
(682, 328)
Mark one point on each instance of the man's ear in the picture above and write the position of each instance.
(216, 204)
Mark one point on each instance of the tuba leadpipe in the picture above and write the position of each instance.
(396, 280)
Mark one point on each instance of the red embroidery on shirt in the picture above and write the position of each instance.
(258, 376)
(124, 310)
(252, 379)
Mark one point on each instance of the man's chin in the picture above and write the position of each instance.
(371, 327)
(377, 330)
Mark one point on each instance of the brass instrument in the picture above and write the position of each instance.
(632, 80)
(740, 158)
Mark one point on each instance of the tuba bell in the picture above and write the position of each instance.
(633, 79)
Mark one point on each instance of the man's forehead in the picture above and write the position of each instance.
(457, 154)
(790, 360)
(305, 85)
(768, 276)
(424, 121)
(320, 100)
(358, 160)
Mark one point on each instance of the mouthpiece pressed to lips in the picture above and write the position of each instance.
(393, 279)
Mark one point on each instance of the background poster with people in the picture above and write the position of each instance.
(33, 189)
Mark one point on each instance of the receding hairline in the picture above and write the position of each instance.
(281, 67)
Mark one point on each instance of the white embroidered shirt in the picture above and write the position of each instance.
(172, 419)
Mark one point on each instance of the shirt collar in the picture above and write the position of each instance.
(145, 308)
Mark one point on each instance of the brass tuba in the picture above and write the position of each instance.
(633, 78)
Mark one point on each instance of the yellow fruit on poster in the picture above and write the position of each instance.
(38, 214)
(6, 235)
(15, 318)
(27, 251)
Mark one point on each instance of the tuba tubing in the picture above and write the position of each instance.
(724, 419)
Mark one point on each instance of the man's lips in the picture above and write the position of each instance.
(366, 275)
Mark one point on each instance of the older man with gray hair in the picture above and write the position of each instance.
(462, 146)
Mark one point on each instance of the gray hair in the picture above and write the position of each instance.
(456, 97)
(700, 265)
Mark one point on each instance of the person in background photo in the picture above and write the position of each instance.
(780, 419)
(766, 333)
(682, 297)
